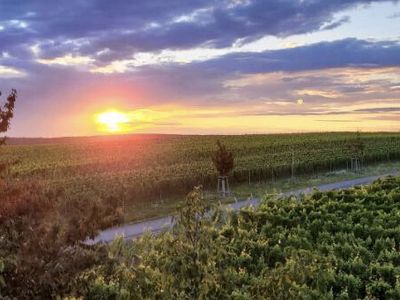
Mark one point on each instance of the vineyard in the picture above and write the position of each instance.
(334, 245)
(145, 166)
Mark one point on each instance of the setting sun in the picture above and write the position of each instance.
(113, 121)
(132, 125)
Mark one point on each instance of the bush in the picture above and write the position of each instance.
(41, 251)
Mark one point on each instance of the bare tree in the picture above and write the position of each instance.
(224, 162)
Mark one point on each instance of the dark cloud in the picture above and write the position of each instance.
(54, 23)
(319, 56)
(64, 90)
(379, 110)
(206, 82)
(323, 112)
(125, 27)
(342, 53)
(208, 79)
(335, 24)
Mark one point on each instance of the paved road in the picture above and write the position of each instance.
(130, 231)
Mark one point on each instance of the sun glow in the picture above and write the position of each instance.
(113, 121)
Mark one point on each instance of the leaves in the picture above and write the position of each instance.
(7, 112)
(223, 160)
(335, 245)
(40, 246)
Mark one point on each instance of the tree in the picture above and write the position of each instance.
(224, 162)
(182, 263)
(41, 232)
(356, 148)
(7, 112)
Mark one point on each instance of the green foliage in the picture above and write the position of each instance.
(335, 245)
(2, 280)
(137, 168)
(180, 264)
(223, 160)
(356, 147)
(41, 251)
(7, 112)
(41, 232)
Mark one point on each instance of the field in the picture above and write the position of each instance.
(333, 245)
(139, 169)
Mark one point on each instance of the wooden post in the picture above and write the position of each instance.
(355, 164)
(223, 186)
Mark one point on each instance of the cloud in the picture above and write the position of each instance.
(339, 121)
(336, 54)
(233, 79)
(335, 24)
(379, 110)
(67, 60)
(354, 74)
(9, 72)
(319, 93)
(295, 72)
(323, 112)
(123, 28)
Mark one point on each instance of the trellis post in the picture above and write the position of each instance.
(223, 186)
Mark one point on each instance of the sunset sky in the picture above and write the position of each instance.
(179, 66)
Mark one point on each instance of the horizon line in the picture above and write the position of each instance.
(193, 134)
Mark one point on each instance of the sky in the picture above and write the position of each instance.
(200, 66)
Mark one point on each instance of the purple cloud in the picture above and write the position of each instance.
(126, 27)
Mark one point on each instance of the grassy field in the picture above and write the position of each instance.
(153, 171)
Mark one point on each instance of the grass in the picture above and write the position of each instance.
(167, 206)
